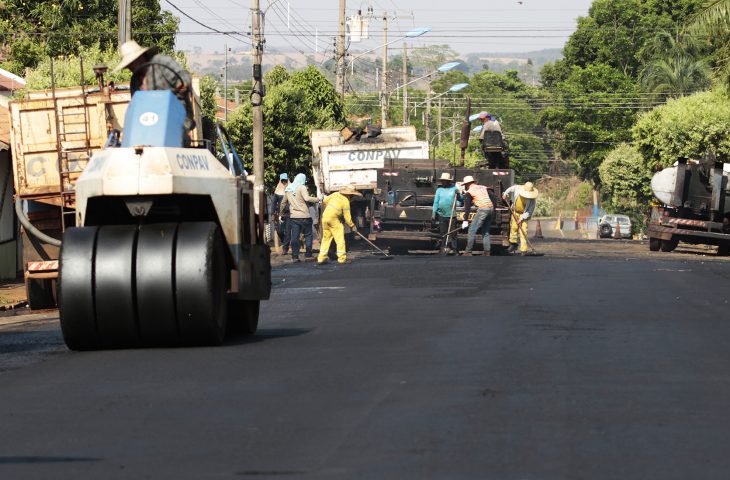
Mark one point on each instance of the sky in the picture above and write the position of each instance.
(310, 26)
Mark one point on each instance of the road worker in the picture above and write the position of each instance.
(281, 218)
(297, 199)
(482, 199)
(337, 206)
(153, 71)
(522, 203)
(444, 209)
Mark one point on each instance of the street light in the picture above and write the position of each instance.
(454, 88)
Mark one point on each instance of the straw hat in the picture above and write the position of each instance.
(348, 190)
(446, 176)
(130, 52)
(529, 191)
(467, 180)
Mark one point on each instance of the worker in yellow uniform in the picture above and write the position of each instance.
(337, 206)
(522, 204)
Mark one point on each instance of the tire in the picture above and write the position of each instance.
(200, 283)
(605, 230)
(669, 245)
(654, 244)
(76, 288)
(243, 316)
(114, 286)
(156, 284)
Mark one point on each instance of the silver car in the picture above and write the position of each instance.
(608, 224)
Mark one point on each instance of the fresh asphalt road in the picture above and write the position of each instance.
(555, 367)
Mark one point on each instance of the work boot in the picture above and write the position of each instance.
(467, 254)
(450, 252)
(512, 248)
(295, 259)
(487, 253)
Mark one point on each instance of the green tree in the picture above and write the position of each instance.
(292, 108)
(615, 32)
(686, 127)
(590, 112)
(626, 183)
(31, 31)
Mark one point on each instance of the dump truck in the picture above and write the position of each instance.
(694, 207)
(357, 157)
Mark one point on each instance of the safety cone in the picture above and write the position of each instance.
(617, 232)
(538, 230)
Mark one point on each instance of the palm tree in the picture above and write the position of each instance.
(676, 65)
(676, 76)
(713, 21)
(714, 18)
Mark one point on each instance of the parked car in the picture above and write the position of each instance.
(608, 223)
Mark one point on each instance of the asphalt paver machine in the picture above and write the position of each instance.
(168, 248)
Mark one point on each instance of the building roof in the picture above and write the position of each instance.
(10, 81)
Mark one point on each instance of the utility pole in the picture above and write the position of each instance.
(428, 115)
(405, 81)
(124, 20)
(341, 52)
(225, 84)
(257, 99)
(384, 81)
(438, 121)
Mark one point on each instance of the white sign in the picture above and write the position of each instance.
(148, 119)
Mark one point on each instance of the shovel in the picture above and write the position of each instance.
(386, 257)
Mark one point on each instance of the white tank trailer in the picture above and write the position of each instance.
(695, 198)
(167, 249)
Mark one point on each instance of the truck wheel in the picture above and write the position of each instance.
(723, 250)
(39, 292)
(654, 244)
(114, 286)
(200, 283)
(605, 230)
(669, 245)
(76, 288)
(155, 284)
(243, 316)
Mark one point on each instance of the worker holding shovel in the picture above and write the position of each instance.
(480, 197)
(444, 208)
(337, 206)
(521, 199)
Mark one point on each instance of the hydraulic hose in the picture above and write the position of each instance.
(30, 228)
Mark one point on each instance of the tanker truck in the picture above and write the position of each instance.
(695, 205)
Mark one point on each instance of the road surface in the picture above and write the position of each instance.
(593, 362)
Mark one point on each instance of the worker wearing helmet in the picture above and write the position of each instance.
(337, 207)
(522, 205)
(154, 71)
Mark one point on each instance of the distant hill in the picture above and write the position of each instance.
(499, 62)
(528, 64)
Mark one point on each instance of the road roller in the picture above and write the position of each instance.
(168, 248)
